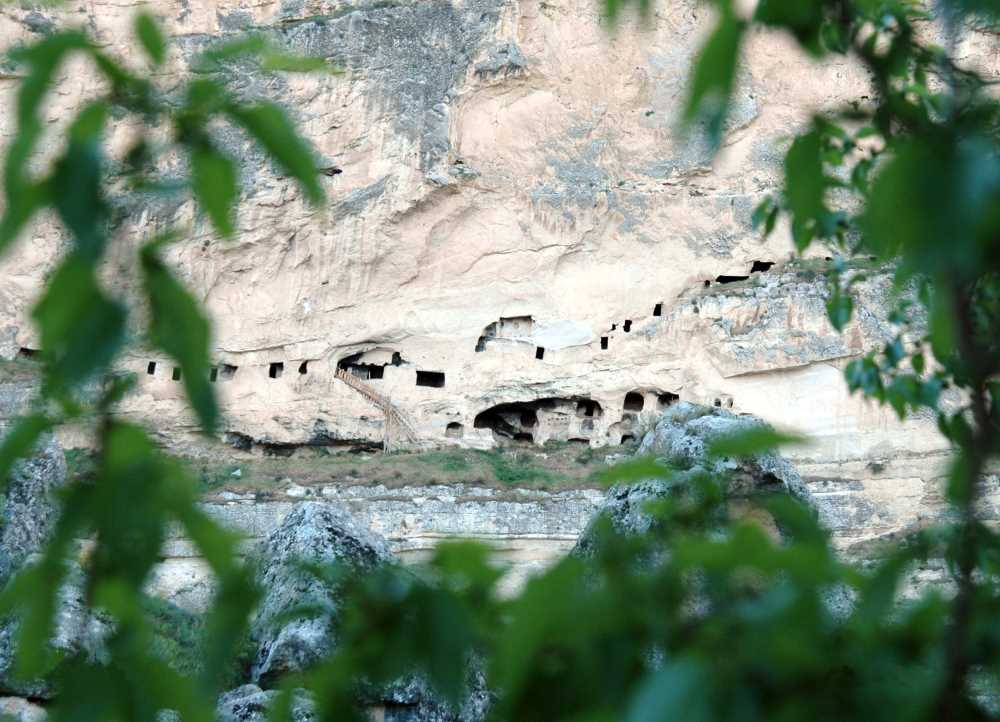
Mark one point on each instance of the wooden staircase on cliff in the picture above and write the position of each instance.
(398, 429)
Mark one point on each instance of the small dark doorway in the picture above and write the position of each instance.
(176, 375)
(604, 343)
(454, 430)
(627, 326)
(304, 368)
(658, 309)
(276, 369)
(667, 399)
(151, 368)
(634, 401)
(434, 379)
(213, 374)
(539, 353)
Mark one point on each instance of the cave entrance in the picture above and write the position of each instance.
(730, 279)
(433, 379)
(761, 266)
(454, 430)
(666, 399)
(547, 419)
(366, 364)
(658, 309)
(276, 369)
(634, 401)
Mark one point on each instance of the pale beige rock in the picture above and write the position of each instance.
(502, 160)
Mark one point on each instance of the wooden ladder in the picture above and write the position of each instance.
(394, 418)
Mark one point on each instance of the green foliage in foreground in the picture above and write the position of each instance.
(702, 619)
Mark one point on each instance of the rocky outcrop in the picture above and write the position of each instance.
(314, 534)
(505, 227)
(684, 432)
(29, 510)
(250, 703)
(16, 709)
(411, 700)
(28, 516)
(317, 534)
(680, 441)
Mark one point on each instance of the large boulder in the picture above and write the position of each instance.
(314, 533)
(250, 703)
(681, 439)
(28, 516)
(319, 534)
(16, 709)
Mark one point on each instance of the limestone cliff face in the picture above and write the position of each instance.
(519, 245)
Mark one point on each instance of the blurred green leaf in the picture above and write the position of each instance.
(802, 18)
(751, 442)
(213, 176)
(713, 76)
(76, 183)
(178, 327)
(839, 307)
(805, 187)
(269, 126)
(273, 60)
(81, 329)
(213, 58)
(149, 34)
(646, 467)
(680, 692)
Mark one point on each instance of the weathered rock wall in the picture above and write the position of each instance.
(517, 215)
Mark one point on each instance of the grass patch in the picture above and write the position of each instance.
(449, 461)
(515, 468)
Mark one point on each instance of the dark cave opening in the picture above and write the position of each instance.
(433, 379)
(634, 401)
(368, 371)
(730, 279)
(667, 399)
(276, 369)
(761, 266)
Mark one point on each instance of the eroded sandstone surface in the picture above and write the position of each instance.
(518, 246)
